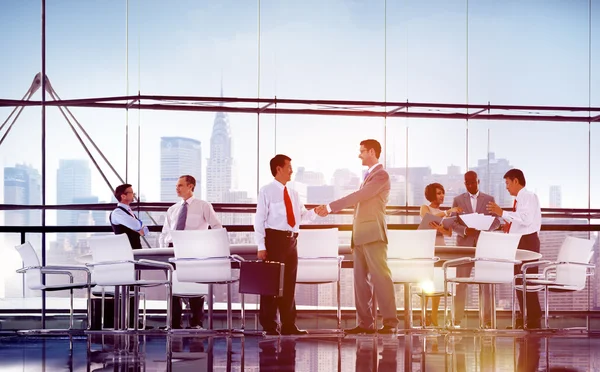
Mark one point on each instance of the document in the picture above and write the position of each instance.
(428, 218)
(477, 221)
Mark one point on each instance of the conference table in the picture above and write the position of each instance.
(248, 252)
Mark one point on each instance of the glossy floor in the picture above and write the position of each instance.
(466, 352)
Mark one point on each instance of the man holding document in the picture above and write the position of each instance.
(473, 203)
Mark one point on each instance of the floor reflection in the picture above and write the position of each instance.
(197, 352)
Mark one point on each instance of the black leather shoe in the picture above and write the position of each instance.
(386, 330)
(359, 330)
(293, 332)
(271, 332)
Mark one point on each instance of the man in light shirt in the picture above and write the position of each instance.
(526, 219)
(279, 212)
(123, 221)
(190, 213)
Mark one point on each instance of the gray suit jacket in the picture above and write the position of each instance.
(464, 201)
(369, 213)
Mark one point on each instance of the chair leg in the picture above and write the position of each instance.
(229, 317)
(493, 307)
(89, 308)
(102, 310)
(424, 309)
(71, 309)
(144, 310)
(546, 307)
(446, 301)
(169, 310)
(242, 312)
(512, 306)
(339, 306)
(480, 299)
(524, 309)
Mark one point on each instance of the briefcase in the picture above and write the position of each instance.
(262, 278)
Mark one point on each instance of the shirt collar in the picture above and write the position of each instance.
(373, 167)
(189, 201)
(123, 205)
(474, 195)
(523, 190)
(280, 185)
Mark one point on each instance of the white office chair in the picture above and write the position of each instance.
(113, 265)
(411, 258)
(203, 256)
(34, 273)
(567, 274)
(494, 264)
(319, 261)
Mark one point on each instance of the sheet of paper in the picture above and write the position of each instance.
(477, 221)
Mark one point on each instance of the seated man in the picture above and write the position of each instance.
(188, 214)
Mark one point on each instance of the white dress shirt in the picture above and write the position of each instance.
(271, 213)
(473, 198)
(200, 215)
(528, 217)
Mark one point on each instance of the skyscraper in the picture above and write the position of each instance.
(555, 196)
(179, 156)
(73, 181)
(22, 185)
(220, 163)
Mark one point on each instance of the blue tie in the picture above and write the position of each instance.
(182, 217)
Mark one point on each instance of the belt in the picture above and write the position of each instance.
(282, 234)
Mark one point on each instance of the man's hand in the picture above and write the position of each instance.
(494, 209)
(321, 210)
(470, 231)
(262, 255)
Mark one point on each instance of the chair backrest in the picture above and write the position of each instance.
(33, 278)
(496, 246)
(407, 245)
(574, 250)
(202, 244)
(318, 243)
(112, 248)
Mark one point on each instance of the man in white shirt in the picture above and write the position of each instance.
(188, 214)
(278, 216)
(526, 219)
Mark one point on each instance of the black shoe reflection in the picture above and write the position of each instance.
(529, 354)
(367, 355)
(277, 355)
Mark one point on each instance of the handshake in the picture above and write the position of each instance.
(321, 210)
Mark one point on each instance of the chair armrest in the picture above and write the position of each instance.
(174, 259)
(59, 270)
(153, 263)
(457, 262)
(104, 263)
(336, 258)
(498, 260)
(553, 265)
(237, 258)
(528, 265)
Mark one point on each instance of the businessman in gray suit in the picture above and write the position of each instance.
(472, 201)
(372, 277)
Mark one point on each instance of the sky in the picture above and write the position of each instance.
(528, 52)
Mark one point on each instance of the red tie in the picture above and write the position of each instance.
(289, 211)
(510, 223)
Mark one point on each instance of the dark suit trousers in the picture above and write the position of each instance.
(197, 307)
(530, 242)
(281, 248)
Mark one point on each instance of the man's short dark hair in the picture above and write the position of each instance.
(471, 173)
(515, 174)
(189, 180)
(431, 191)
(278, 161)
(120, 190)
(372, 144)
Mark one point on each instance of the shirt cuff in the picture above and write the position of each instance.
(261, 247)
(328, 209)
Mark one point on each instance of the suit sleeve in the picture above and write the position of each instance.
(371, 189)
(496, 224)
(457, 226)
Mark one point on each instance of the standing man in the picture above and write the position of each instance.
(372, 276)
(123, 221)
(278, 216)
(472, 201)
(188, 214)
(525, 219)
